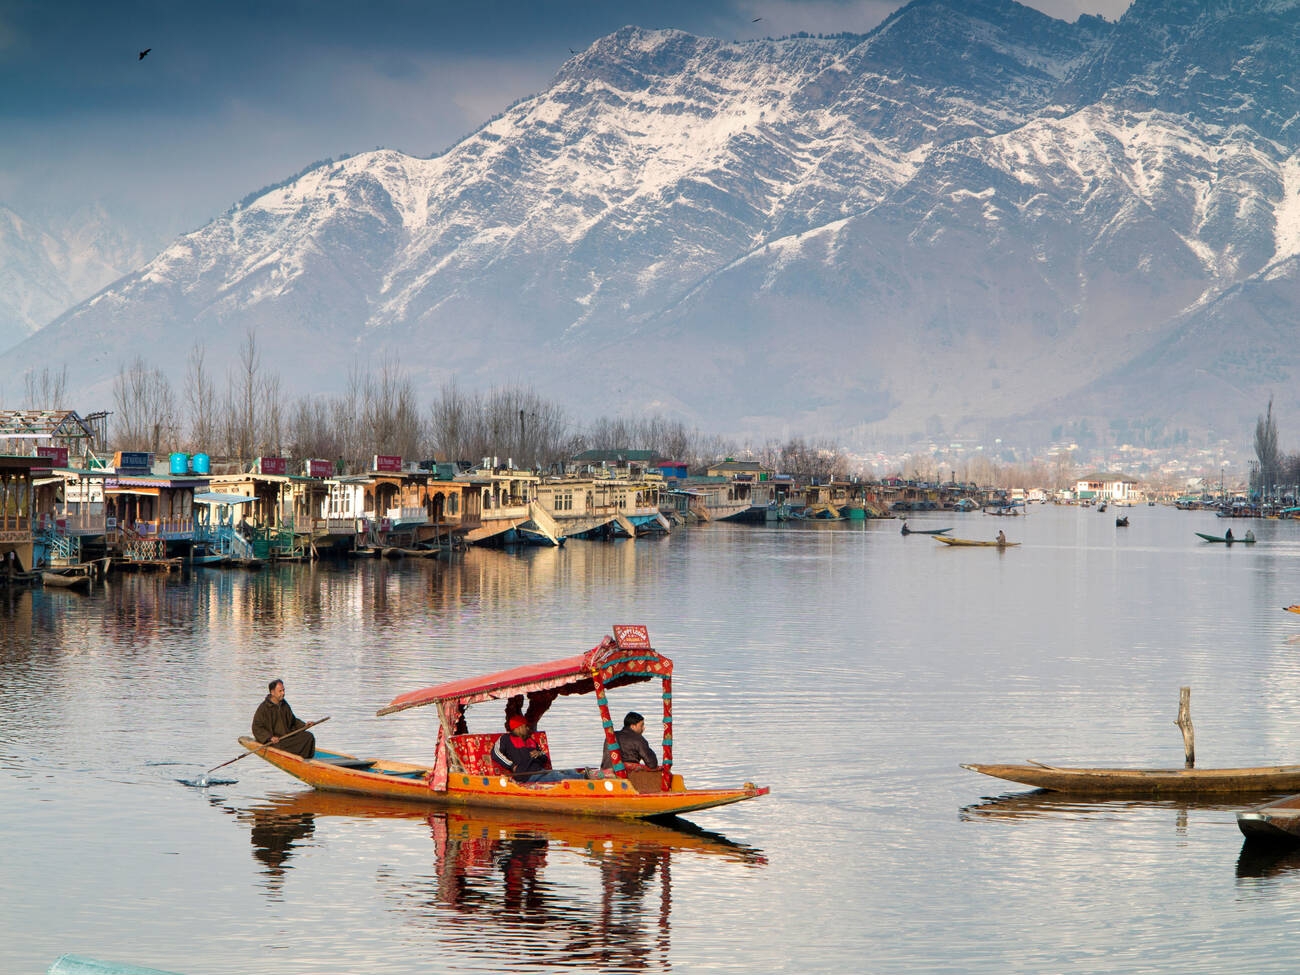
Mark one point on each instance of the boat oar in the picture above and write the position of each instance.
(202, 781)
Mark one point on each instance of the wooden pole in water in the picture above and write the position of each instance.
(1184, 723)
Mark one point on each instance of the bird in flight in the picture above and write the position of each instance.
(756, 20)
(143, 53)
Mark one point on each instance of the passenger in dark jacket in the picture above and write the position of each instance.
(519, 752)
(274, 721)
(632, 746)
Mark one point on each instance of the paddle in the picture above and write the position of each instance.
(202, 781)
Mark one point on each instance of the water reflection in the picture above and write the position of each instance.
(522, 883)
(1258, 861)
(1042, 804)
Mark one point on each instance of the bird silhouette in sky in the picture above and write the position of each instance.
(756, 20)
(143, 53)
(572, 51)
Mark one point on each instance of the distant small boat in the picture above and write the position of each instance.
(1249, 538)
(62, 580)
(1292, 609)
(924, 531)
(973, 542)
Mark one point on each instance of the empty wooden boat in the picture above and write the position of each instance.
(1148, 782)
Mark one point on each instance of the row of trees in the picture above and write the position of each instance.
(245, 414)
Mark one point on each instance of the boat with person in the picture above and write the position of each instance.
(959, 542)
(1247, 539)
(463, 772)
(1148, 782)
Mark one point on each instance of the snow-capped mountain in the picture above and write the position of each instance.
(46, 269)
(973, 215)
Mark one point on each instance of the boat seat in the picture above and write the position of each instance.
(358, 763)
(475, 751)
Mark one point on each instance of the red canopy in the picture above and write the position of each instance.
(624, 661)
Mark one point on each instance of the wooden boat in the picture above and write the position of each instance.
(1292, 609)
(79, 581)
(1149, 782)
(463, 774)
(925, 531)
(1276, 822)
(970, 541)
(1248, 539)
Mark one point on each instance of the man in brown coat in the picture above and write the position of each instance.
(275, 720)
(631, 743)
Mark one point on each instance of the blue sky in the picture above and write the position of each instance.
(239, 94)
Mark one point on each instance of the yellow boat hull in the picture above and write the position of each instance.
(583, 797)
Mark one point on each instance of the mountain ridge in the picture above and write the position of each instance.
(968, 219)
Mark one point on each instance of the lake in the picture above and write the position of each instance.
(848, 667)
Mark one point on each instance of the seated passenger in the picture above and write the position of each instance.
(632, 746)
(519, 752)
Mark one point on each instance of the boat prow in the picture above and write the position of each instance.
(1274, 823)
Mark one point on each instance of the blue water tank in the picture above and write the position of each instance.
(180, 463)
(202, 464)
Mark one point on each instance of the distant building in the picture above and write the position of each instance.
(1106, 487)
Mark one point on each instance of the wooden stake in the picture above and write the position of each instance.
(1184, 723)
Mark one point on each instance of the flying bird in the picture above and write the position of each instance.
(572, 51)
(756, 20)
(143, 53)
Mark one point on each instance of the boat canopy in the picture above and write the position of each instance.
(625, 658)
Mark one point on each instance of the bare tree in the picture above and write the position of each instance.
(145, 415)
(201, 400)
(390, 416)
(46, 389)
(1267, 453)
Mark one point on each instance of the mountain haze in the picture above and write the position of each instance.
(975, 220)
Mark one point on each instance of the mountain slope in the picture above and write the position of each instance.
(966, 219)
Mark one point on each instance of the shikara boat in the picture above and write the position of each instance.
(925, 531)
(1292, 609)
(1249, 539)
(66, 580)
(1276, 822)
(1148, 782)
(972, 542)
(463, 773)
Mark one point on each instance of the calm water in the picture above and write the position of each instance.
(848, 667)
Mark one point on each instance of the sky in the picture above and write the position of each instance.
(239, 94)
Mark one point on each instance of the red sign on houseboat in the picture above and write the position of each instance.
(58, 456)
(320, 468)
(392, 465)
(275, 465)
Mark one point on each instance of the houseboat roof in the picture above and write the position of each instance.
(213, 497)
